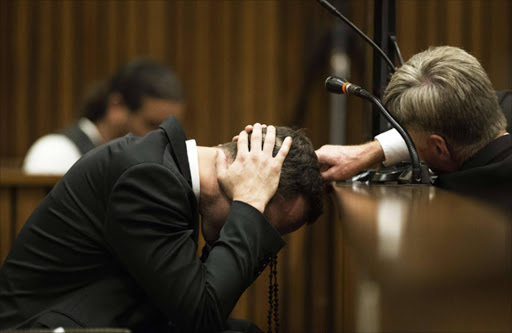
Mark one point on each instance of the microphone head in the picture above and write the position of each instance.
(335, 84)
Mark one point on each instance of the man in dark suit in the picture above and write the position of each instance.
(445, 100)
(114, 243)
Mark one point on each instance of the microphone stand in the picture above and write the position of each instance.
(339, 86)
(385, 34)
(419, 170)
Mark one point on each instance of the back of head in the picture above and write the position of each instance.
(445, 91)
(135, 80)
(300, 173)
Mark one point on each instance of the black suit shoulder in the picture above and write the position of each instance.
(486, 175)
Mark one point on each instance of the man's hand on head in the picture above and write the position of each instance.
(343, 162)
(248, 130)
(253, 177)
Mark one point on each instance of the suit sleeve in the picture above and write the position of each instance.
(149, 228)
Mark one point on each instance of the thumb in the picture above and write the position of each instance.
(329, 174)
(322, 157)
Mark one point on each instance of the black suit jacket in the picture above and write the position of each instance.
(487, 175)
(114, 245)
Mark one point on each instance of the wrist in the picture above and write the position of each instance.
(255, 202)
(374, 152)
(369, 155)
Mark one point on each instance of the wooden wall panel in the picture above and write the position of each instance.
(6, 227)
(295, 316)
(359, 112)
(22, 15)
(499, 64)
(5, 91)
(240, 61)
(234, 59)
(481, 27)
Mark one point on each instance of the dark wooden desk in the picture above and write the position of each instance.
(19, 196)
(420, 259)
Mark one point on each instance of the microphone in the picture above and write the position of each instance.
(341, 86)
(338, 85)
(336, 13)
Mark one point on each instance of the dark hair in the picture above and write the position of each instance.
(137, 79)
(300, 173)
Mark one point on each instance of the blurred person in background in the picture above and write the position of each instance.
(136, 99)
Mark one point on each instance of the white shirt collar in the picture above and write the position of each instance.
(90, 129)
(193, 163)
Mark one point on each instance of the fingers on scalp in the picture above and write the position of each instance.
(285, 148)
(270, 139)
(256, 136)
(242, 145)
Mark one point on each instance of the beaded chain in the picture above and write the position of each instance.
(273, 297)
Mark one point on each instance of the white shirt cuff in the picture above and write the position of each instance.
(193, 162)
(394, 147)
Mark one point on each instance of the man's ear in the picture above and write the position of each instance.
(114, 99)
(439, 147)
(221, 161)
(117, 112)
(438, 155)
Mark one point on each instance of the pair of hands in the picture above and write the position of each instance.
(254, 175)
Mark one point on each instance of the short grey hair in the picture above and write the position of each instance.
(445, 91)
